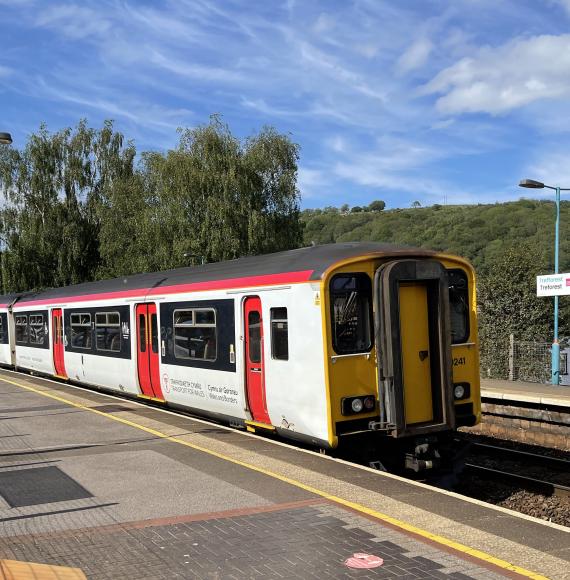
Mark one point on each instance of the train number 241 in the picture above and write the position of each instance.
(458, 361)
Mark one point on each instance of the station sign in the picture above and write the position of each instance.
(553, 285)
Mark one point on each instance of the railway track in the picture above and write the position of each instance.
(530, 483)
(552, 469)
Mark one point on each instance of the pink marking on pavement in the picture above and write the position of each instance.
(360, 560)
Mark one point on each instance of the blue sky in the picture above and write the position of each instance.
(399, 100)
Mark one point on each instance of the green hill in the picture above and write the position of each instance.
(480, 233)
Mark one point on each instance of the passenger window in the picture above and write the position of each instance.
(279, 334)
(21, 329)
(36, 329)
(80, 330)
(254, 336)
(351, 312)
(458, 306)
(195, 335)
(108, 331)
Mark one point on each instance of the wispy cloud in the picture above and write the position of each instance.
(415, 56)
(394, 100)
(73, 21)
(497, 80)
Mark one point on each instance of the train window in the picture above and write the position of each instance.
(195, 334)
(21, 328)
(80, 330)
(351, 312)
(458, 305)
(36, 329)
(142, 332)
(279, 334)
(254, 336)
(108, 331)
(153, 333)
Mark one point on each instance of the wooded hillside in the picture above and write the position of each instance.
(480, 233)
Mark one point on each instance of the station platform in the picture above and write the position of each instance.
(116, 489)
(522, 392)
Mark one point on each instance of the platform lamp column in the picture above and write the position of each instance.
(532, 184)
(5, 139)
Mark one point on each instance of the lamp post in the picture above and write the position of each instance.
(532, 184)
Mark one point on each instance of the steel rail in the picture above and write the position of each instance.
(545, 487)
(536, 458)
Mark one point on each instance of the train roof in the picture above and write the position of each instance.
(300, 265)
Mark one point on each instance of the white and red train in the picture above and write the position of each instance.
(357, 345)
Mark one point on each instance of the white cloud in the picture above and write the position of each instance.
(552, 168)
(497, 80)
(415, 56)
(73, 21)
(186, 68)
(337, 144)
(324, 23)
(5, 71)
(310, 181)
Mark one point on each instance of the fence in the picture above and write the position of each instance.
(531, 361)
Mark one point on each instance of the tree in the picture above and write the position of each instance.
(356, 209)
(344, 208)
(213, 196)
(416, 204)
(52, 190)
(376, 206)
(508, 305)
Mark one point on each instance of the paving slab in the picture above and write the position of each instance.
(123, 491)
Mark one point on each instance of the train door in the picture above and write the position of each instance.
(254, 354)
(147, 351)
(415, 346)
(58, 346)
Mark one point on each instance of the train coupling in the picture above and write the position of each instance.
(425, 456)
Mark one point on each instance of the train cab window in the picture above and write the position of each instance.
(458, 306)
(351, 313)
(279, 334)
(21, 322)
(108, 331)
(195, 334)
(36, 329)
(80, 330)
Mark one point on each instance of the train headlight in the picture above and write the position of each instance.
(357, 405)
(461, 391)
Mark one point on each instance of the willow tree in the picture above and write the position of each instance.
(52, 190)
(213, 197)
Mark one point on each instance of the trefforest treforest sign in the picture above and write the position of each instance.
(553, 285)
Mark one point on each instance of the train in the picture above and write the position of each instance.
(367, 350)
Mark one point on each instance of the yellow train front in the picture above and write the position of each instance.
(402, 363)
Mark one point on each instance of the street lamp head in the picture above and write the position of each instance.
(5, 138)
(531, 184)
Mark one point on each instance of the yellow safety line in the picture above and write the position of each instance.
(353, 505)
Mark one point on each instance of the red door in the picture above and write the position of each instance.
(58, 348)
(147, 351)
(255, 375)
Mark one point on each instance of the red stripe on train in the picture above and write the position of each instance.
(144, 293)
